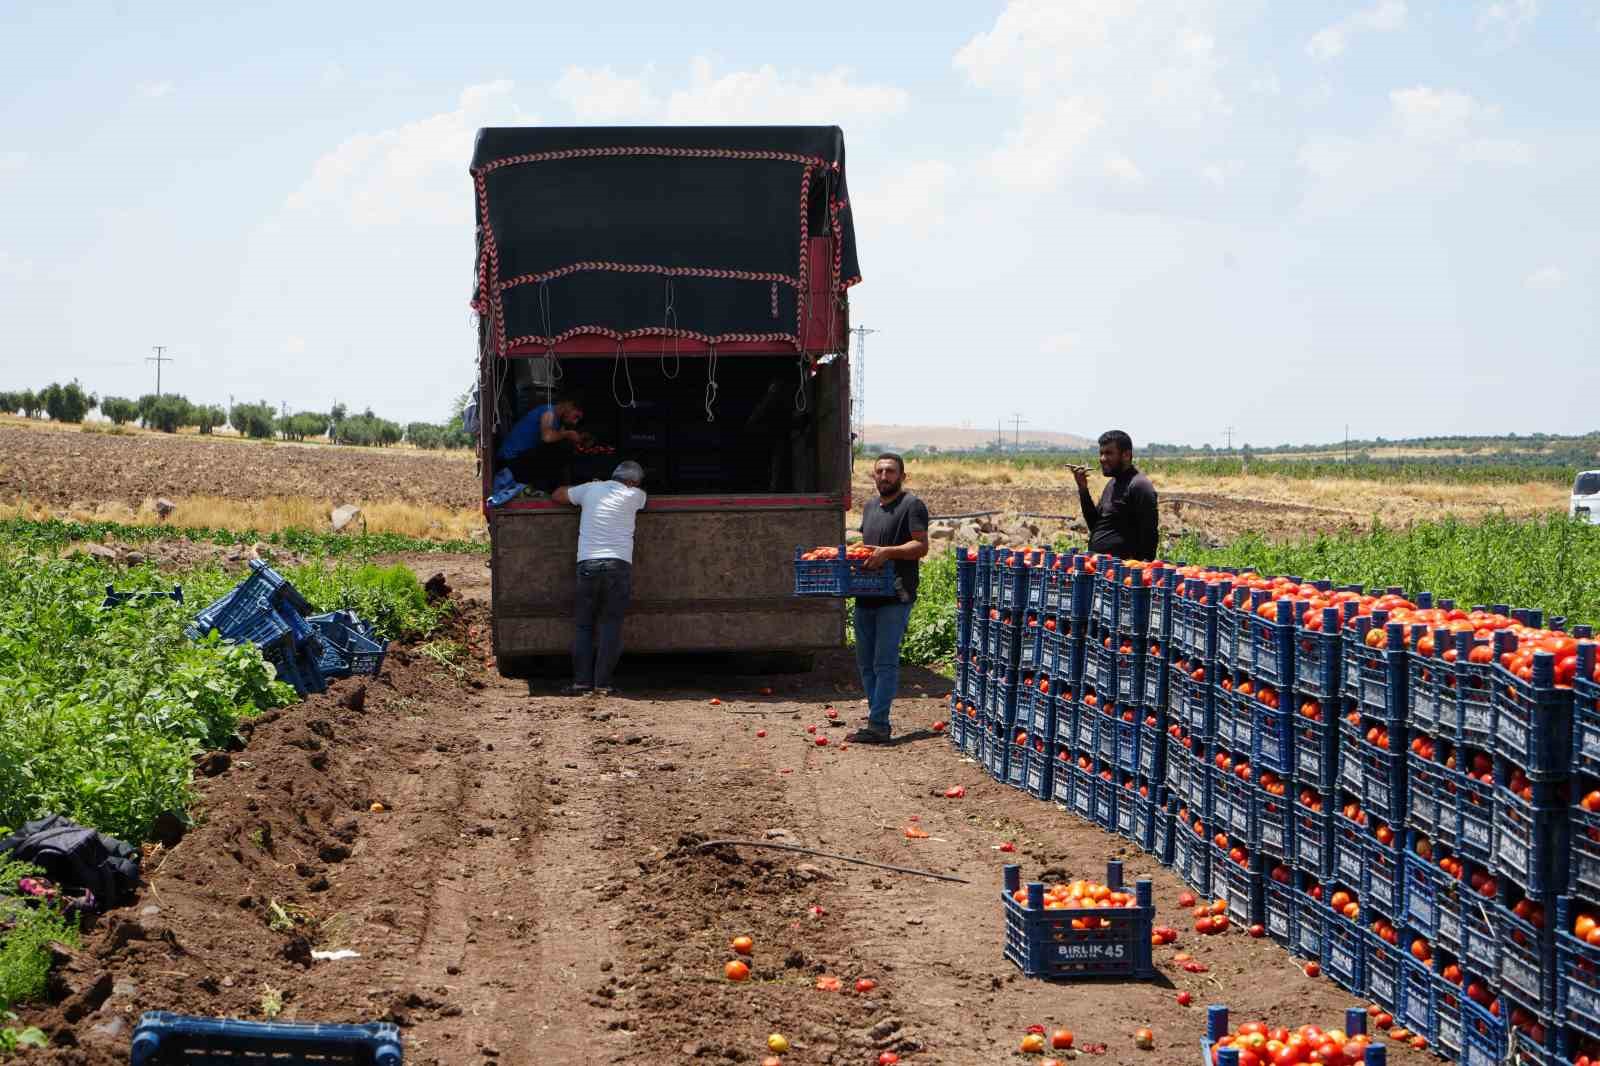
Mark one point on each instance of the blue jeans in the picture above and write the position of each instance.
(878, 634)
(604, 588)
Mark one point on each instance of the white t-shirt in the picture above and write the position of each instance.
(606, 529)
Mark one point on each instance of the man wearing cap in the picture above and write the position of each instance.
(605, 572)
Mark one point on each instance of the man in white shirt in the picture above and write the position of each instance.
(605, 572)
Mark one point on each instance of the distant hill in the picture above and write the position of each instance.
(954, 438)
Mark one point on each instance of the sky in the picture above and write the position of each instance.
(1172, 216)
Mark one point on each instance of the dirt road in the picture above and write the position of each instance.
(530, 887)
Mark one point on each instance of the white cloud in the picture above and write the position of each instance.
(294, 346)
(916, 194)
(1550, 277)
(415, 173)
(1501, 150)
(1123, 169)
(152, 90)
(1037, 153)
(1330, 42)
(763, 95)
(15, 268)
(1074, 69)
(1507, 18)
(1436, 114)
(12, 162)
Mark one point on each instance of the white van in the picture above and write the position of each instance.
(1586, 497)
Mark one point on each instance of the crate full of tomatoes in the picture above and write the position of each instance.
(840, 571)
(1081, 929)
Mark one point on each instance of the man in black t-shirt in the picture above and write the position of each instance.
(1125, 523)
(895, 525)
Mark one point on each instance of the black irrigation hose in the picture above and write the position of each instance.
(831, 855)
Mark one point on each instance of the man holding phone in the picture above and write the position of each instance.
(1125, 523)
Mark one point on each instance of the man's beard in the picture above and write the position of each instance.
(892, 490)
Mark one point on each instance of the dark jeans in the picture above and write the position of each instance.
(879, 631)
(604, 588)
(540, 467)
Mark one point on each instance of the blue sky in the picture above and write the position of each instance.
(1171, 216)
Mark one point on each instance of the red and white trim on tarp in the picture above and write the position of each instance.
(488, 301)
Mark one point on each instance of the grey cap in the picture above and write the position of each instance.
(628, 470)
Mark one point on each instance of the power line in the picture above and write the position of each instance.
(1017, 422)
(858, 420)
(159, 358)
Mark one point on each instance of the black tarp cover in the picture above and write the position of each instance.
(590, 230)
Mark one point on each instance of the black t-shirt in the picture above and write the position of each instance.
(891, 526)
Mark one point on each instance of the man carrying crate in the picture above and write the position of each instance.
(1125, 523)
(895, 525)
(605, 572)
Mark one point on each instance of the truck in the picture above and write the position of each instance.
(689, 288)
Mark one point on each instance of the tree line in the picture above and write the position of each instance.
(171, 412)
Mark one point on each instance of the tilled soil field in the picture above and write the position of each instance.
(525, 879)
(67, 468)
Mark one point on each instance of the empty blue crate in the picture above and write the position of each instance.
(1043, 943)
(349, 645)
(261, 593)
(840, 576)
(166, 1039)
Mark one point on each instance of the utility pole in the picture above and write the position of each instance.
(1017, 422)
(1347, 444)
(858, 420)
(1229, 431)
(159, 358)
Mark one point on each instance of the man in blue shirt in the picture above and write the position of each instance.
(535, 449)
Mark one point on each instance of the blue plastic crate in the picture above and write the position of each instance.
(1375, 677)
(1349, 851)
(166, 1039)
(1077, 591)
(1194, 623)
(1105, 802)
(966, 572)
(1143, 808)
(1217, 1024)
(1042, 943)
(1275, 643)
(1102, 668)
(1038, 775)
(1430, 805)
(1577, 971)
(1155, 680)
(1234, 650)
(1533, 720)
(1191, 858)
(972, 739)
(1107, 732)
(1162, 595)
(1233, 805)
(1273, 740)
(1417, 1004)
(996, 754)
(140, 597)
(1344, 952)
(1070, 659)
(1011, 583)
(1236, 728)
(1038, 579)
(1483, 1035)
(1318, 657)
(1530, 839)
(1474, 691)
(1377, 778)
(1381, 969)
(1279, 909)
(1474, 811)
(1080, 799)
(1310, 925)
(1274, 822)
(1527, 956)
(1194, 703)
(1430, 894)
(1583, 871)
(1315, 750)
(1087, 735)
(1152, 761)
(1313, 841)
(295, 666)
(1017, 764)
(1061, 777)
(1103, 608)
(1133, 609)
(263, 590)
(1030, 644)
(1384, 885)
(956, 727)
(1130, 673)
(1164, 836)
(1480, 938)
(348, 647)
(1586, 715)
(1197, 786)
(1431, 704)
(842, 576)
(1178, 768)
(1126, 757)
(1241, 886)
